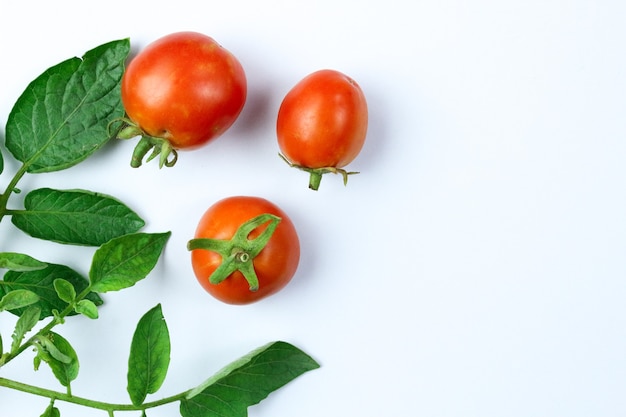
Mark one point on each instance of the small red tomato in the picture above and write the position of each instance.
(183, 88)
(322, 124)
(244, 249)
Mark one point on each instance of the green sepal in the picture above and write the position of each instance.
(315, 174)
(160, 147)
(239, 252)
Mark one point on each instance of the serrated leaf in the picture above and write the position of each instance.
(19, 298)
(247, 381)
(126, 260)
(1, 162)
(41, 282)
(62, 117)
(24, 324)
(77, 217)
(149, 356)
(65, 290)
(59, 354)
(87, 308)
(19, 262)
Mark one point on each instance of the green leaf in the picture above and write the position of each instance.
(62, 117)
(124, 261)
(87, 308)
(77, 217)
(60, 356)
(18, 299)
(52, 350)
(24, 324)
(149, 356)
(20, 262)
(64, 289)
(1, 157)
(247, 381)
(41, 282)
(51, 411)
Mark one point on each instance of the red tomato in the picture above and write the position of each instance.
(273, 266)
(322, 122)
(184, 88)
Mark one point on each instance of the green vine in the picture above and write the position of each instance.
(50, 130)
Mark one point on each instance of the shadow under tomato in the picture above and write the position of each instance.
(256, 115)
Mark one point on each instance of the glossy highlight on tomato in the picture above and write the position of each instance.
(184, 88)
(322, 124)
(220, 230)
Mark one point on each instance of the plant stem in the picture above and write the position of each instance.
(4, 197)
(85, 402)
(44, 330)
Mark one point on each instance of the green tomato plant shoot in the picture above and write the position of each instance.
(63, 117)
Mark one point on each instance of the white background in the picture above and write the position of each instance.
(476, 265)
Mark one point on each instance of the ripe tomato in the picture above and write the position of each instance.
(322, 124)
(183, 88)
(245, 249)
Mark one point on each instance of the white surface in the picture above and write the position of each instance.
(476, 265)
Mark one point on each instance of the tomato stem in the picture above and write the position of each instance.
(315, 174)
(239, 252)
(160, 147)
(314, 180)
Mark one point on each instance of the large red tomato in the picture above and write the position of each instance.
(184, 88)
(244, 249)
(322, 124)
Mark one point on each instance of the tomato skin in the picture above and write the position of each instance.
(322, 121)
(275, 265)
(184, 87)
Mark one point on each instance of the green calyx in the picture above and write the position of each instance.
(315, 174)
(160, 147)
(239, 252)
